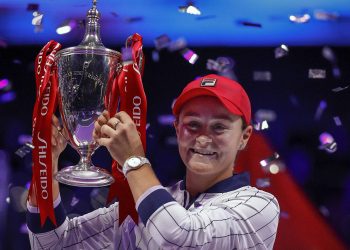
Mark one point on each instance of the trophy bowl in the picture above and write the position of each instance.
(85, 74)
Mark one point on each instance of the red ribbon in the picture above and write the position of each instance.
(128, 90)
(44, 107)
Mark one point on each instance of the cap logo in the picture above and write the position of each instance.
(208, 82)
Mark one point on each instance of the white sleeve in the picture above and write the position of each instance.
(91, 231)
(245, 220)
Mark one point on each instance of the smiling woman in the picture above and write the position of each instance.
(210, 209)
(209, 137)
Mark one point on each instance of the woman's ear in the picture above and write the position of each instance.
(247, 132)
(176, 126)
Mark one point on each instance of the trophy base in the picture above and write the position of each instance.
(91, 177)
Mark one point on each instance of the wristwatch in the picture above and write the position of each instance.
(133, 163)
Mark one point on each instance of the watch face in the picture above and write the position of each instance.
(134, 162)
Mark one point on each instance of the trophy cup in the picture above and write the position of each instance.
(84, 73)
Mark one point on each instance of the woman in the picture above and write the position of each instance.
(210, 209)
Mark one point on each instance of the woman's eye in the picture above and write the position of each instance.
(219, 127)
(193, 125)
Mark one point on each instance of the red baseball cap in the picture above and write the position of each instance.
(230, 93)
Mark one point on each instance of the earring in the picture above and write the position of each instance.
(241, 146)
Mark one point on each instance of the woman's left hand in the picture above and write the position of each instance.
(119, 135)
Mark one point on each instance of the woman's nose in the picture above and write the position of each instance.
(203, 140)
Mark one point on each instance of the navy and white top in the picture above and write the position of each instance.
(229, 215)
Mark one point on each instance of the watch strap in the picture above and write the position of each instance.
(127, 167)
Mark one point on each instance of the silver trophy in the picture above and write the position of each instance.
(84, 74)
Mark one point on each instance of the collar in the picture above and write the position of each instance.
(234, 182)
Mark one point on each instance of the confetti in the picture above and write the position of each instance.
(274, 168)
(8, 97)
(317, 73)
(250, 24)
(325, 16)
(261, 125)
(281, 51)
(24, 150)
(22, 139)
(329, 54)
(263, 182)
(300, 18)
(178, 44)
(162, 42)
(338, 89)
(166, 119)
(320, 109)
(24, 228)
(189, 9)
(337, 121)
(268, 160)
(114, 14)
(134, 19)
(5, 84)
(324, 211)
(37, 19)
(74, 201)
(213, 65)
(327, 143)
(262, 76)
(171, 140)
(155, 56)
(336, 71)
(189, 55)
(284, 215)
(265, 114)
(221, 64)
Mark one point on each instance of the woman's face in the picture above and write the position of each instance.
(209, 136)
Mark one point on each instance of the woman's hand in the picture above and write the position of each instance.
(119, 135)
(58, 140)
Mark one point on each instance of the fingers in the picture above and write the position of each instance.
(113, 122)
(101, 120)
(123, 117)
(103, 141)
(54, 134)
(55, 121)
(107, 131)
(106, 126)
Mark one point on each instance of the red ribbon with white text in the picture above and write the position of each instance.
(128, 90)
(45, 104)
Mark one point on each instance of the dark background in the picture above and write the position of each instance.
(324, 177)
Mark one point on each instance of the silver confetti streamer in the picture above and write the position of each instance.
(337, 121)
(263, 182)
(24, 150)
(269, 160)
(281, 51)
(262, 76)
(338, 89)
(317, 73)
